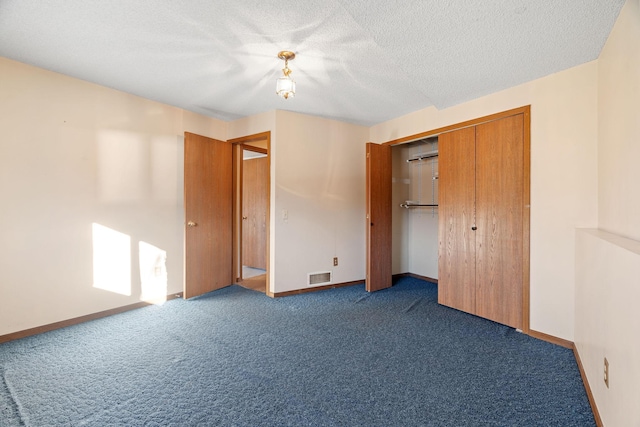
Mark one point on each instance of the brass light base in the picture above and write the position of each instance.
(286, 55)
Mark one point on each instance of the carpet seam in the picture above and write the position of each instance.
(14, 399)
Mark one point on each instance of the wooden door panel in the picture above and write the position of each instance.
(249, 182)
(254, 212)
(208, 207)
(499, 213)
(379, 226)
(456, 239)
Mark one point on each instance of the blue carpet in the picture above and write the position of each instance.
(341, 357)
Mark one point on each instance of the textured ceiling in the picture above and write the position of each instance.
(360, 61)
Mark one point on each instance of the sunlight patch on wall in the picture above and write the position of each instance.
(153, 273)
(111, 260)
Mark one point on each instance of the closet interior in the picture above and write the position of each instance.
(415, 208)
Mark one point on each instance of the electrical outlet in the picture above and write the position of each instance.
(335, 261)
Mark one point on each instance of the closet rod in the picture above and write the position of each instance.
(421, 157)
(417, 205)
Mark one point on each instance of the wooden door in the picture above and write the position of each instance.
(499, 219)
(456, 219)
(208, 203)
(254, 212)
(378, 217)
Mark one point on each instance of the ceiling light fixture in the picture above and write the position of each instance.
(285, 86)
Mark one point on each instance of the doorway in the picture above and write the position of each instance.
(251, 162)
(214, 211)
(402, 203)
(255, 170)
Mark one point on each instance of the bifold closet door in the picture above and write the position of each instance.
(456, 218)
(499, 220)
(481, 204)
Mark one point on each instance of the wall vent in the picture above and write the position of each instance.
(319, 278)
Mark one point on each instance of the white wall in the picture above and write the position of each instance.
(563, 177)
(607, 260)
(318, 167)
(74, 154)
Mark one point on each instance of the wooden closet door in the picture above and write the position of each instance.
(456, 216)
(499, 220)
(379, 228)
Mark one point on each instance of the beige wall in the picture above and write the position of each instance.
(563, 177)
(74, 154)
(607, 322)
(619, 121)
(607, 260)
(319, 167)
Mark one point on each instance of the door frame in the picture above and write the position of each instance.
(526, 216)
(240, 144)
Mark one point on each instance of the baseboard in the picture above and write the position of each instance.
(415, 276)
(76, 320)
(552, 339)
(587, 387)
(314, 289)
